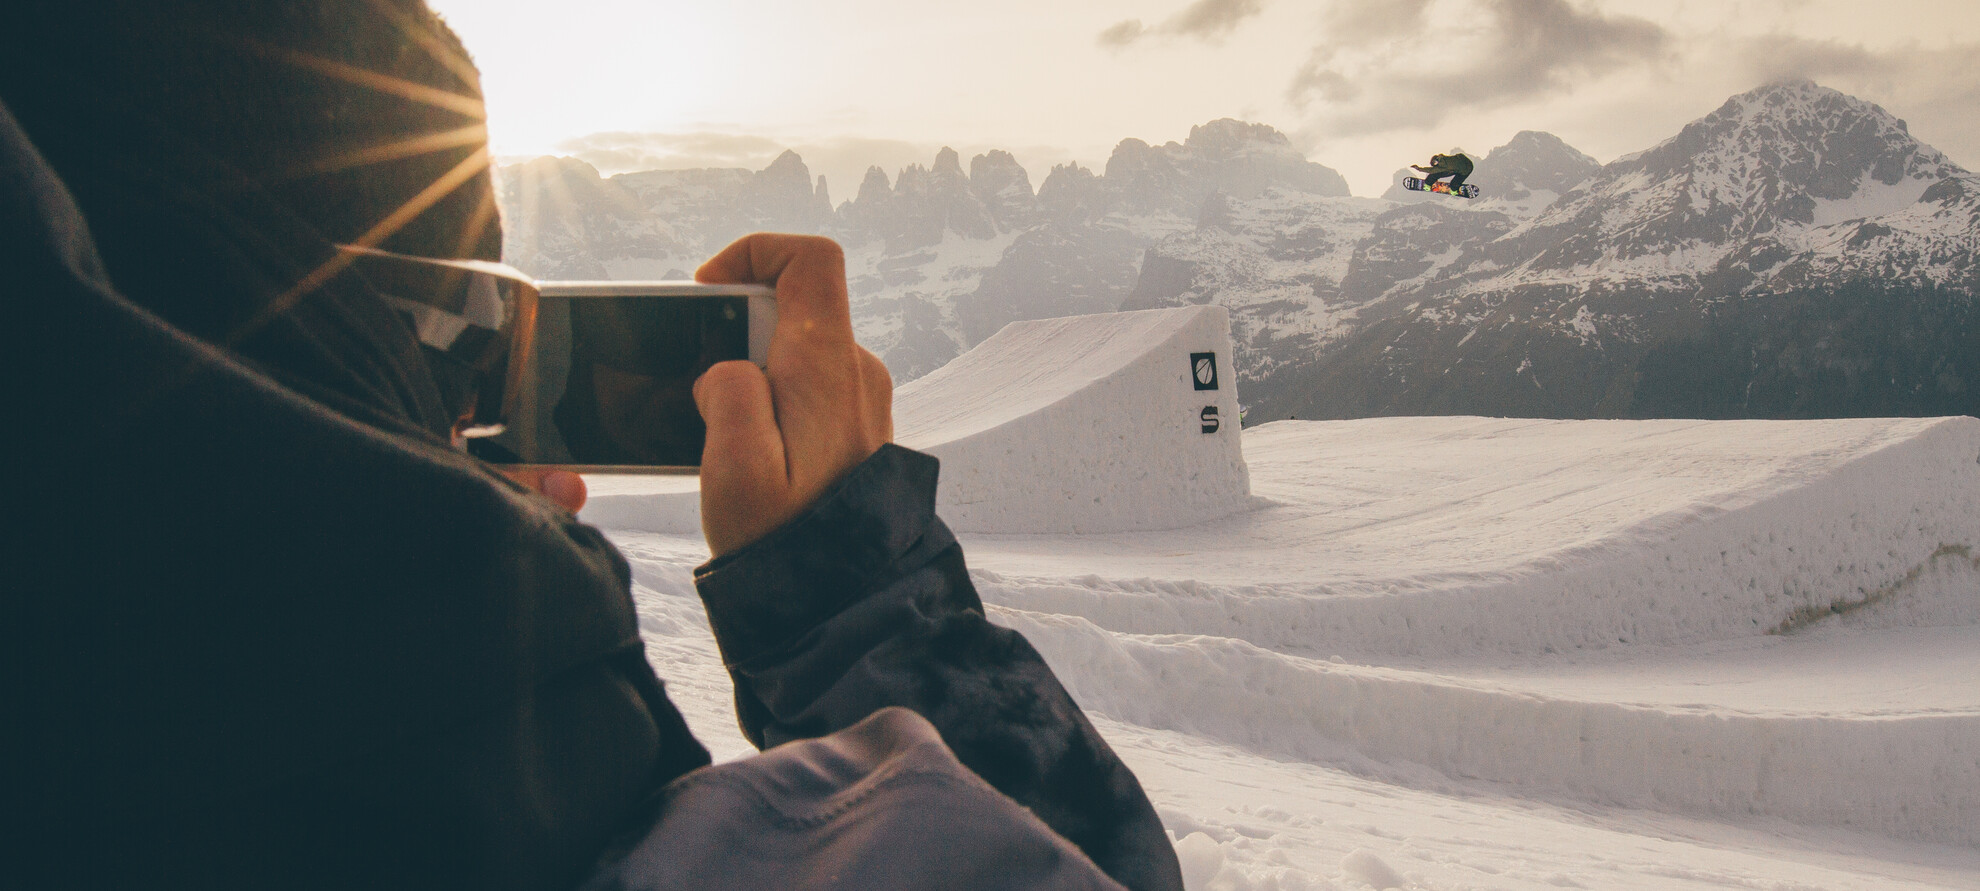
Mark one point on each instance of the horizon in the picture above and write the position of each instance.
(1037, 176)
(1343, 82)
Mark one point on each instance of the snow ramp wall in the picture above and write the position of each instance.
(1103, 423)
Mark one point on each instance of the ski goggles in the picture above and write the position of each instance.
(469, 315)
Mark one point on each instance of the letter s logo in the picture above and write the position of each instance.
(1210, 422)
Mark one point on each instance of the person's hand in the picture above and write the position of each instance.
(565, 488)
(778, 438)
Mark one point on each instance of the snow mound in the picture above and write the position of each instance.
(1431, 537)
(1716, 619)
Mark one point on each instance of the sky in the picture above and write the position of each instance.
(1363, 86)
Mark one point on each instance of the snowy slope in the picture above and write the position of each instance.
(1474, 653)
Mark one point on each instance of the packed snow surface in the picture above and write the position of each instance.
(1455, 653)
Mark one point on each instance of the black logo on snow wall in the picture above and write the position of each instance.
(1203, 370)
(1210, 421)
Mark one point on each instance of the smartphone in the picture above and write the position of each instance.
(603, 381)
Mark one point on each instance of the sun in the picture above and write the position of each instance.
(554, 71)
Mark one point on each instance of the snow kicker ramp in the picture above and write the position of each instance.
(1089, 424)
(1731, 620)
(1101, 423)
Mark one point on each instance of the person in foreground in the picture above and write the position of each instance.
(275, 629)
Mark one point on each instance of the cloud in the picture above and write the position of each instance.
(1938, 86)
(620, 152)
(1204, 20)
(1393, 65)
(1122, 33)
(1949, 72)
(1212, 18)
(1354, 22)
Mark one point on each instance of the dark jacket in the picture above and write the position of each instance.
(273, 631)
(1458, 163)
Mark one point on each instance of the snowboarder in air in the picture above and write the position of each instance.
(1456, 166)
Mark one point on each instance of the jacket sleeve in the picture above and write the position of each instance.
(864, 603)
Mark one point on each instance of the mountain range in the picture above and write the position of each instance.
(1795, 253)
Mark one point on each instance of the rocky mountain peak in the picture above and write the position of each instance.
(1148, 179)
(1133, 157)
(1229, 137)
(874, 189)
(1763, 168)
(1240, 159)
(785, 191)
(1071, 191)
(1245, 159)
(571, 186)
(1791, 143)
(570, 179)
(571, 208)
(926, 202)
(787, 171)
(869, 206)
(1001, 184)
(1537, 161)
(996, 172)
(948, 162)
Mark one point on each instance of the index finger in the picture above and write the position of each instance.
(808, 271)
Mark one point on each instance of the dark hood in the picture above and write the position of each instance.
(208, 251)
(267, 629)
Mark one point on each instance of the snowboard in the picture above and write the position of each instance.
(1415, 184)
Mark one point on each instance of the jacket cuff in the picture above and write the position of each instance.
(848, 544)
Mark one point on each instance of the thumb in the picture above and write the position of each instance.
(743, 470)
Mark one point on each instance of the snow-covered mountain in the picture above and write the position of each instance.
(1795, 253)
(1791, 168)
(938, 259)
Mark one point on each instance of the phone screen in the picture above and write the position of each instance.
(609, 381)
